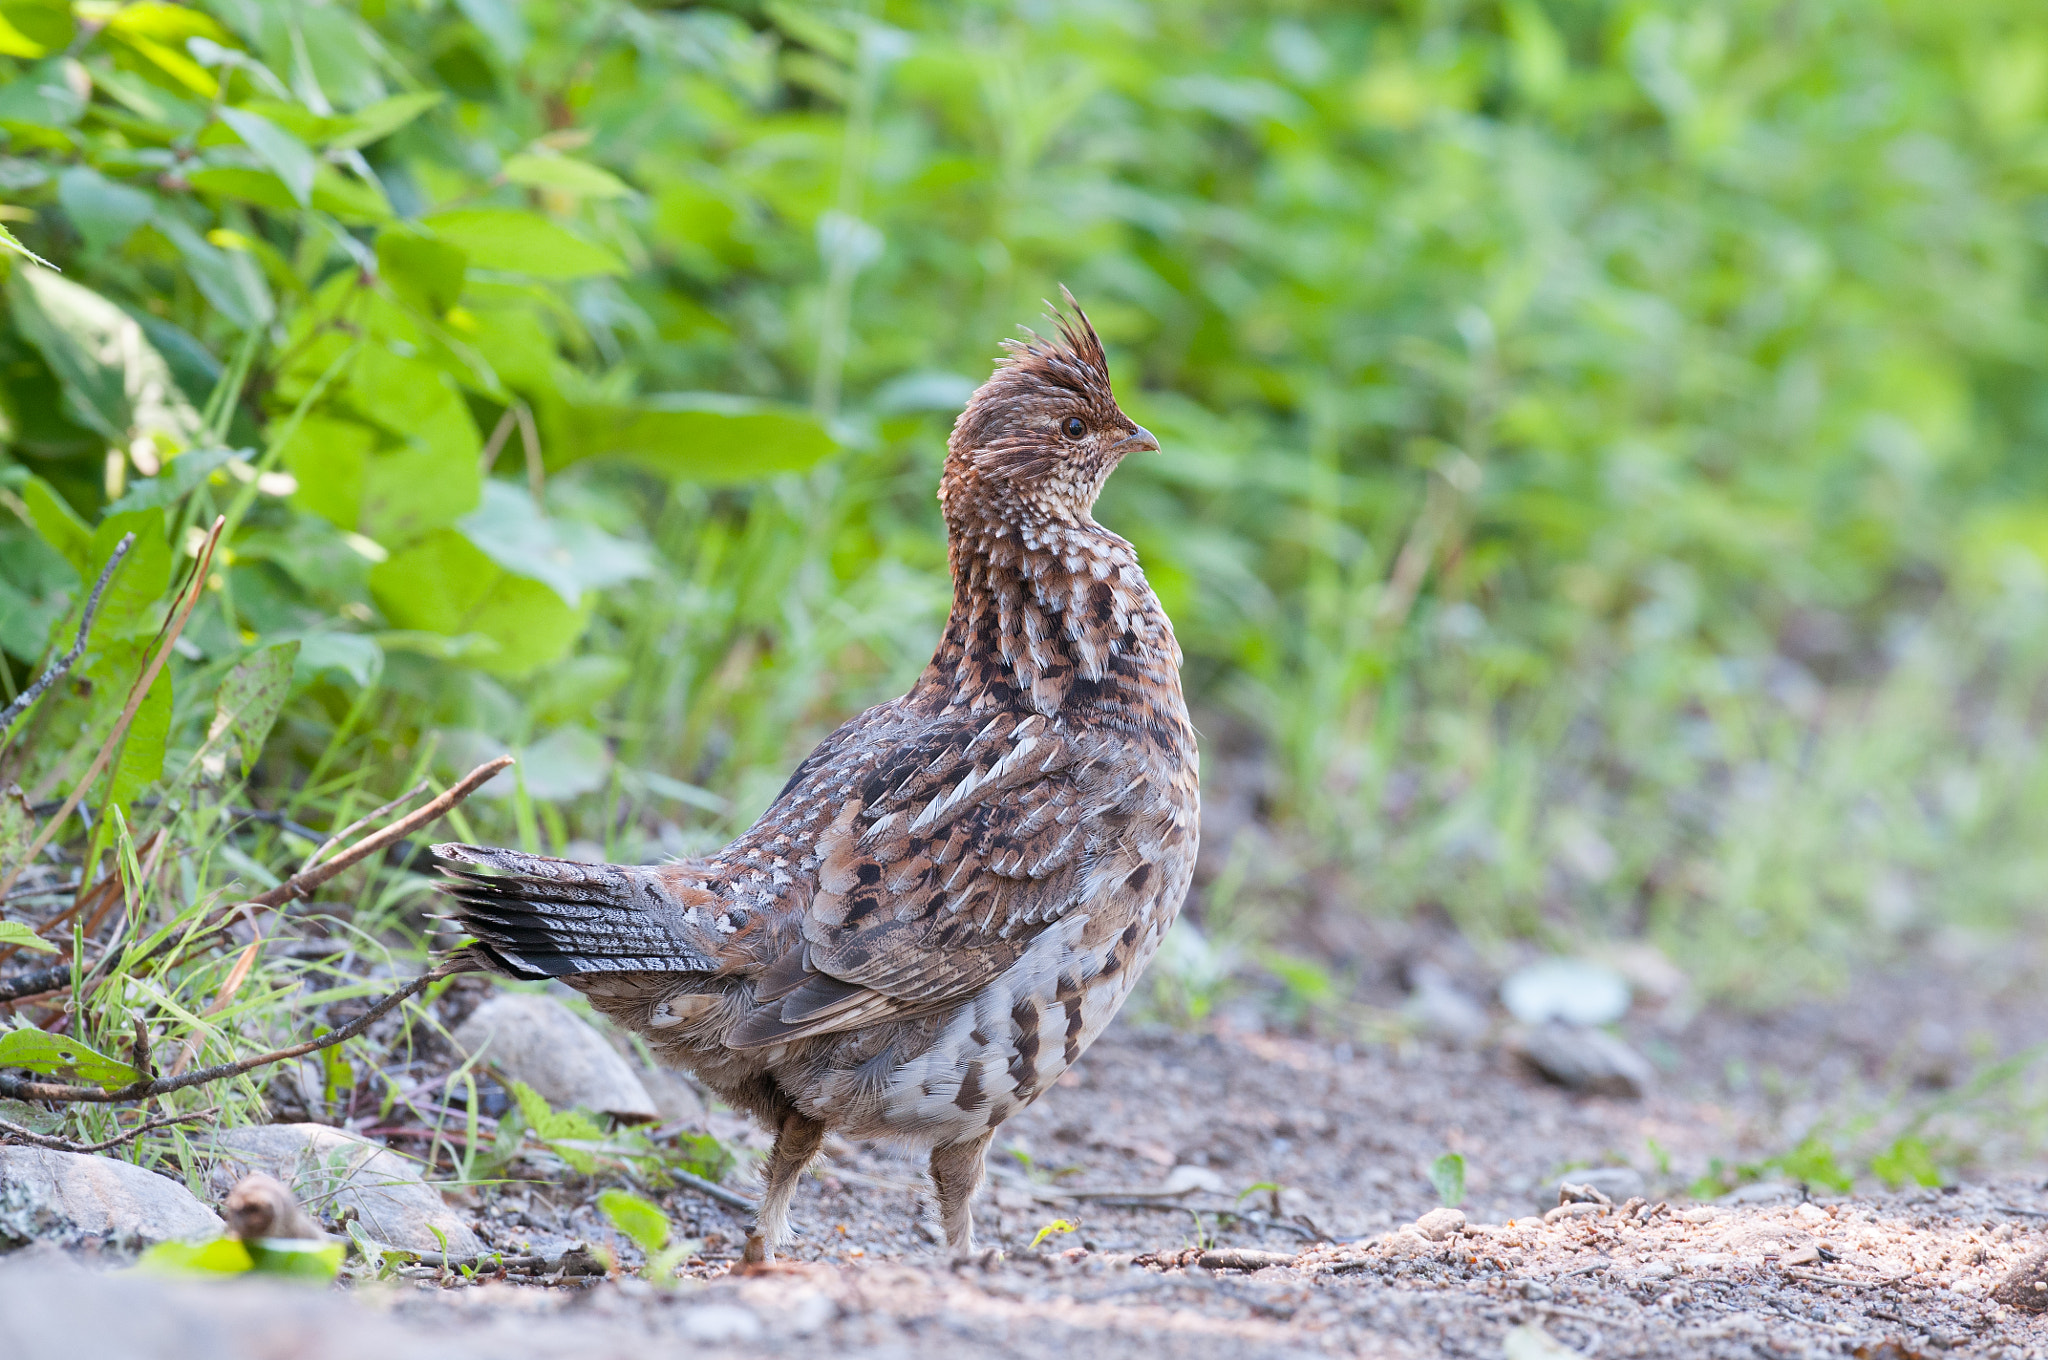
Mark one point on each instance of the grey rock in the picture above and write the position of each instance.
(72, 1198)
(539, 1041)
(715, 1324)
(1618, 1183)
(1762, 1192)
(331, 1172)
(1588, 1060)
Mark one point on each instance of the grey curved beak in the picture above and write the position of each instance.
(1139, 440)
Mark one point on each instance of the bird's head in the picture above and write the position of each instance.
(1042, 435)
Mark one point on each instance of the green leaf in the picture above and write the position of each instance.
(105, 213)
(72, 326)
(330, 458)
(1813, 1163)
(246, 706)
(566, 175)
(446, 585)
(13, 246)
(59, 1055)
(1907, 1161)
(44, 96)
(141, 761)
(59, 525)
(693, 437)
(559, 1129)
(522, 242)
(134, 603)
(701, 1155)
(381, 119)
(220, 1256)
(570, 558)
(16, 933)
(427, 273)
(315, 1262)
(637, 1218)
(1447, 1174)
(349, 199)
(229, 279)
(35, 28)
(276, 148)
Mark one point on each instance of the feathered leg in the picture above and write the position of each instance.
(956, 1175)
(796, 1144)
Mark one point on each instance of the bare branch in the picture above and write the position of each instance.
(63, 664)
(16, 1133)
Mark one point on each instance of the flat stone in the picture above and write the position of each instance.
(1588, 1060)
(336, 1171)
(72, 1198)
(537, 1040)
(1439, 1008)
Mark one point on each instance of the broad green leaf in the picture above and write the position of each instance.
(245, 708)
(501, 23)
(446, 585)
(427, 273)
(278, 149)
(141, 760)
(31, 29)
(701, 1155)
(166, 22)
(433, 479)
(381, 119)
(314, 1262)
(347, 198)
(218, 1256)
(59, 525)
(330, 458)
(76, 329)
(134, 603)
(692, 437)
(557, 1127)
(565, 174)
(105, 213)
(229, 279)
(17, 933)
(567, 763)
(185, 473)
(522, 242)
(59, 1055)
(45, 96)
(637, 1218)
(115, 382)
(356, 656)
(570, 558)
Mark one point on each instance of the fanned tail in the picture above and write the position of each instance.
(535, 917)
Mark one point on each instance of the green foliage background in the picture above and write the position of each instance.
(1603, 486)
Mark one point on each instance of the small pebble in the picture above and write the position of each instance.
(1440, 1225)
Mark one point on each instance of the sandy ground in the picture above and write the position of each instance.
(1133, 1203)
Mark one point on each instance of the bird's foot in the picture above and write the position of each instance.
(757, 1252)
(978, 1258)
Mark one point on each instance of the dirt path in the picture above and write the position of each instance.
(1318, 1153)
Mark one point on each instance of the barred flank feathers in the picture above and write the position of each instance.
(535, 917)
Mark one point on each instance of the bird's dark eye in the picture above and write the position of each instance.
(1074, 428)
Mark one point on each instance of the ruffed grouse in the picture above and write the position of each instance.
(956, 891)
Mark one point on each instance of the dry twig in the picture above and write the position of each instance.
(16, 1133)
(60, 667)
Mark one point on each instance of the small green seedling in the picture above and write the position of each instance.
(1058, 1225)
(1907, 1160)
(1447, 1174)
(648, 1226)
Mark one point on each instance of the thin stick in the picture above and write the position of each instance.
(135, 697)
(296, 887)
(145, 1090)
(64, 663)
(359, 823)
(43, 1140)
